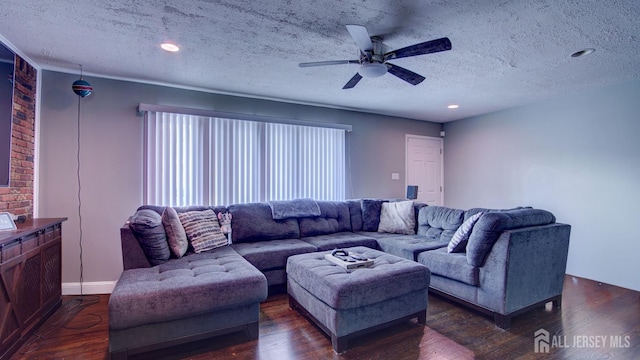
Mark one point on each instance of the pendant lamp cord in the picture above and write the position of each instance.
(79, 191)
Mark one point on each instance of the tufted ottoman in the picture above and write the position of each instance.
(349, 303)
(187, 299)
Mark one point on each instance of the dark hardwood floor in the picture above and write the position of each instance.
(78, 330)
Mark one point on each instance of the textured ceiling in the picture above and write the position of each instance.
(505, 53)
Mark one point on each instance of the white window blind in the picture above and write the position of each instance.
(199, 160)
(303, 161)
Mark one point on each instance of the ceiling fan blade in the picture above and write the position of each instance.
(426, 47)
(353, 82)
(361, 37)
(331, 62)
(404, 74)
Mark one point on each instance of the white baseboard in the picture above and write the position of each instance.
(88, 288)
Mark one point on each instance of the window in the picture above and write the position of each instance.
(200, 160)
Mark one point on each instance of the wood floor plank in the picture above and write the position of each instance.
(79, 330)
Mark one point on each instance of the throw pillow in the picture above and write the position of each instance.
(371, 214)
(398, 218)
(176, 237)
(147, 226)
(203, 230)
(459, 240)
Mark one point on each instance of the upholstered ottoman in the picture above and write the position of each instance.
(349, 303)
(187, 299)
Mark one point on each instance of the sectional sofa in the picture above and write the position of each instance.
(501, 262)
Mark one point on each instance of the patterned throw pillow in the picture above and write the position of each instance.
(397, 218)
(203, 230)
(176, 237)
(459, 240)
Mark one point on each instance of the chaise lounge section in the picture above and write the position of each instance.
(185, 299)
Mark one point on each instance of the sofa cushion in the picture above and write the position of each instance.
(294, 208)
(371, 209)
(450, 265)
(147, 226)
(416, 211)
(192, 285)
(340, 240)
(272, 254)
(355, 213)
(438, 222)
(459, 240)
(488, 228)
(176, 237)
(408, 246)
(334, 217)
(397, 217)
(203, 230)
(254, 222)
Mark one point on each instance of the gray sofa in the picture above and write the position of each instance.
(514, 259)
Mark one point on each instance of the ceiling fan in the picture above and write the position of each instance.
(373, 60)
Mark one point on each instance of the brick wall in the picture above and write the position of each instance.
(18, 197)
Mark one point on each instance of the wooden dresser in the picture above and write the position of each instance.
(30, 279)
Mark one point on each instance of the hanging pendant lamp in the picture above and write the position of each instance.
(82, 87)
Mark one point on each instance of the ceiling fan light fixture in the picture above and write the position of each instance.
(372, 70)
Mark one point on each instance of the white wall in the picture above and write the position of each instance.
(111, 160)
(577, 156)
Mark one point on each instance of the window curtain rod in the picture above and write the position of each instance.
(142, 108)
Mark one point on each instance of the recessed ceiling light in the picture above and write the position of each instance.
(583, 52)
(453, 106)
(170, 47)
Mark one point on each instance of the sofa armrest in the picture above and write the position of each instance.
(133, 256)
(525, 266)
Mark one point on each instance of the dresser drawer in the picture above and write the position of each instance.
(10, 250)
(30, 242)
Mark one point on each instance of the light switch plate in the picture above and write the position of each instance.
(395, 176)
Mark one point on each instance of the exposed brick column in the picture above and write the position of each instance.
(18, 197)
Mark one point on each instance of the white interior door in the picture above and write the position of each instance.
(424, 167)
